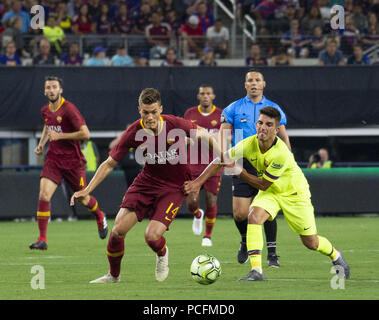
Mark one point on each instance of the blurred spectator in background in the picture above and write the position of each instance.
(142, 19)
(320, 159)
(284, 14)
(295, 41)
(318, 41)
(55, 35)
(282, 58)
(63, 19)
(218, 39)
(10, 58)
(82, 23)
(358, 58)
(205, 17)
(13, 32)
(311, 20)
(15, 11)
(72, 58)
(91, 154)
(122, 24)
(94, 8)
(171, 60)
(142, 61)
(372, 21)
(331, 56)
(193, 36)
(121, 58)
(350, 36)
(370, 37)
(44, 58)
(360, 20)
(255, 58)
(175, 23)
(208, 59)
(324, 10)
(73, 7)
(98, 59)
(102, 23)
(166, 6)
(158, 35)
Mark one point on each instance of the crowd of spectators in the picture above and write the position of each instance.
(286, 29)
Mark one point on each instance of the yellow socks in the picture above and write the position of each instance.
(254, 243)
(326, 248)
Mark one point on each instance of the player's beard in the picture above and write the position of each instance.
(53, 100)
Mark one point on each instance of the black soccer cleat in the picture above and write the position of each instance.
(102, 227)
(39, 245)
(272, 260)
(253, 275)
(341, 263)
(242, 256)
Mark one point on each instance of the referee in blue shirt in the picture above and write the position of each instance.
(240, 118)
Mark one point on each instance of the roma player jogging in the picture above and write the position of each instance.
(157, 192)
(207, 116)
(64, 128)
(282, 186)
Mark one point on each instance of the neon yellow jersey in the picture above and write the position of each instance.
(276, 165)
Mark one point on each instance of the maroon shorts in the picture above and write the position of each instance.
(158, 202)
(76, 178)
(212, 184)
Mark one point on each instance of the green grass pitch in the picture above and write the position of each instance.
(76, 255)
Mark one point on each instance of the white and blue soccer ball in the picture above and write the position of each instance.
(205, 269)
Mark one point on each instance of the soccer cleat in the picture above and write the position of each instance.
(253, 275)
(272, 260)
(108, 278)
(102, 227)
(39, 245)
(206, 242)
(342, 263)
(197, 224)
(242, 256)
(161, 269)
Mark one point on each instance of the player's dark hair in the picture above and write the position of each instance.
(272, 113)
(205, 85)
(54, 78)
(254, 70)
(149, 96)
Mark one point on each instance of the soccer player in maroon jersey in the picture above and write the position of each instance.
(64, 127)
(207, 116)
(157, 192)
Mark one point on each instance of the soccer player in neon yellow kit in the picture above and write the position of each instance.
(281, 185)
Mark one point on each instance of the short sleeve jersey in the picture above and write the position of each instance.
(165, 154)
(243, 114)
(276, 165)
(211, 122)
(65, 119)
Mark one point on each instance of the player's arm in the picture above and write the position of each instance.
(203, 134)
(257, 183)
(44, 137)
(225, 135)
(81, 134)
(284, 135)
(101, 173)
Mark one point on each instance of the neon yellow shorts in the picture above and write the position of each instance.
(298, 210)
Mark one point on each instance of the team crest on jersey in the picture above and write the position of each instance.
(59, 119)
(213, 122)
(265, 162)
(276, 165)
(170, 141)
(193, 120)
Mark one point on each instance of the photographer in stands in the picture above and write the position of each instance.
(320, 159)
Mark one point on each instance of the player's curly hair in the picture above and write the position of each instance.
(272, 113)
(149, 96)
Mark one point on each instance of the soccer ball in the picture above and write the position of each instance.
(205, 269)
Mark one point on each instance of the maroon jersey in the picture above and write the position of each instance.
(165, 154)
(211, 122)
(67, 118)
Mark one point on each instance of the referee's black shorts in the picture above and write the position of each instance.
(240, 187)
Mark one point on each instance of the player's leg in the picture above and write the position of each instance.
(192, 203)
(46, 191)
(210, 217)
(125, 220)
(76, 178)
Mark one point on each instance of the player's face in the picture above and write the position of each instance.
(206, 96)
(267, 128)
(150, 115)
(53, 90)
(254, 84)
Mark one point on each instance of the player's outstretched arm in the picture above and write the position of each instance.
(44, 137)
(101, 173)
(203, 134)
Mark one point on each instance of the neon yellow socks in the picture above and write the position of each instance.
(254, 243)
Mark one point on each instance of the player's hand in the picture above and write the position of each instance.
(53, 135)
(38, 150)
(78, 195)
(191, 186)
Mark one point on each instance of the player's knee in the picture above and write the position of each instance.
(240, 214)
(152, 235)
(191, 206)
(117, 232)
(44, 195)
